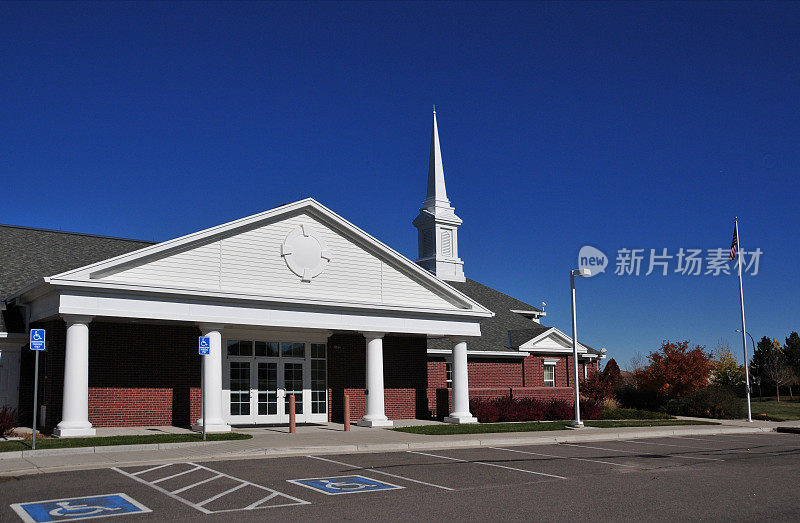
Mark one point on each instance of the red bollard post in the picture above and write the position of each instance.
(292, 427)
(346, 412)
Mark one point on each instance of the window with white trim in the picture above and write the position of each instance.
(448, 374)
(549, 374)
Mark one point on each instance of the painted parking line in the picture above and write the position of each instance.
(486, 464)
(376, 471)
(283, 500)
(84, 507)
(337, 485)
(639, 453)
(565, 457)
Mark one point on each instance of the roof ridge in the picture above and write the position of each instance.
(41, 229)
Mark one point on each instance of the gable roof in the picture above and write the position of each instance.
(95, 275)
(29, 254)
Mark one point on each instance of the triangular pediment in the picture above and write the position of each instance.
(298, 252)
(551, 340)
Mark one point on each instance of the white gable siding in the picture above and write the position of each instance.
(250, 262)
(196, 268)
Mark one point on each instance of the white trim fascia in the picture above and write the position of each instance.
(582, 350)
(352, 232)
(481, 353)
(92, 287)
(222, 312)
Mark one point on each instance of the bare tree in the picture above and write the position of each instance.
(636, 363)
(777, 370)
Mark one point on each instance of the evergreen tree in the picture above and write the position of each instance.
(761, 355)
(792, 350)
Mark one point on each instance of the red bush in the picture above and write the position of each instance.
(590, 409)
(9, 418)
(558, 409)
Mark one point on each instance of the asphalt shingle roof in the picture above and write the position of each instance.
(495, 330)
(27, 255)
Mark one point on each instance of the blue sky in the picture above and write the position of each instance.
(620, 125)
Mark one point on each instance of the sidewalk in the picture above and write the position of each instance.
(331, 439)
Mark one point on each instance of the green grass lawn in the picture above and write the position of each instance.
(486, 428)
(784, 410)
(62, 443)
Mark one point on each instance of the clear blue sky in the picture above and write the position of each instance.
(642, 125)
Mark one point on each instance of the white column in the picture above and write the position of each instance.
(212, 386)
(460, 412)
(75, 406)
(375, 415)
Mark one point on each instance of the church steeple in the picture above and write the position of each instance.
(437, 223)
(436, 189)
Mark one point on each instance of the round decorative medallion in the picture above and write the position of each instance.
(306, 255)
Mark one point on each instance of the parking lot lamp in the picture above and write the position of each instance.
(577, 272)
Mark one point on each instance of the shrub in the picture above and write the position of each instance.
(527, 409)
(9, 418)
(632, 396)
(591, 409)
(711, 402)
(558, 409)
(618, 413)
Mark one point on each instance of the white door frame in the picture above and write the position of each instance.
(304, 403)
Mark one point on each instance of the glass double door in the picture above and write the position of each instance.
(260, 389)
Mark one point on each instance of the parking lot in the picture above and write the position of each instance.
(721, 477)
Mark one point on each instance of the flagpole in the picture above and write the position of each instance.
(744, 331)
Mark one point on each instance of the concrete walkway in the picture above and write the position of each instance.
(327, 439)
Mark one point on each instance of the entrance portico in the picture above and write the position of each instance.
(269, 291)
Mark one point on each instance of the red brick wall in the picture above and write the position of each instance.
(405, 376)
(496, 378)
(398, 403)
(495, 373)
(143, 374)
(196, 405)
(122, 407)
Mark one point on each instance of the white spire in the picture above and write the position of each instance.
(437, 222)
(437, 193)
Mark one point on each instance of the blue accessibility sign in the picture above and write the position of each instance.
(37, 339)
(205, 345)
(344, 484)
(88, 507)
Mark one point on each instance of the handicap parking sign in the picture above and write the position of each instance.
(37, 339)
(344, 484)
(205, 345)
(88, 507)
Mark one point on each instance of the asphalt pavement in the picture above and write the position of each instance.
(729, 477)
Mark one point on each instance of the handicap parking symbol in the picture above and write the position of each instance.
(344, 484)
(68, 509)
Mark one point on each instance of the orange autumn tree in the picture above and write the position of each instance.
(675, 370)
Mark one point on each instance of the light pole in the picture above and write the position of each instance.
(577, 272)
(747, 373)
